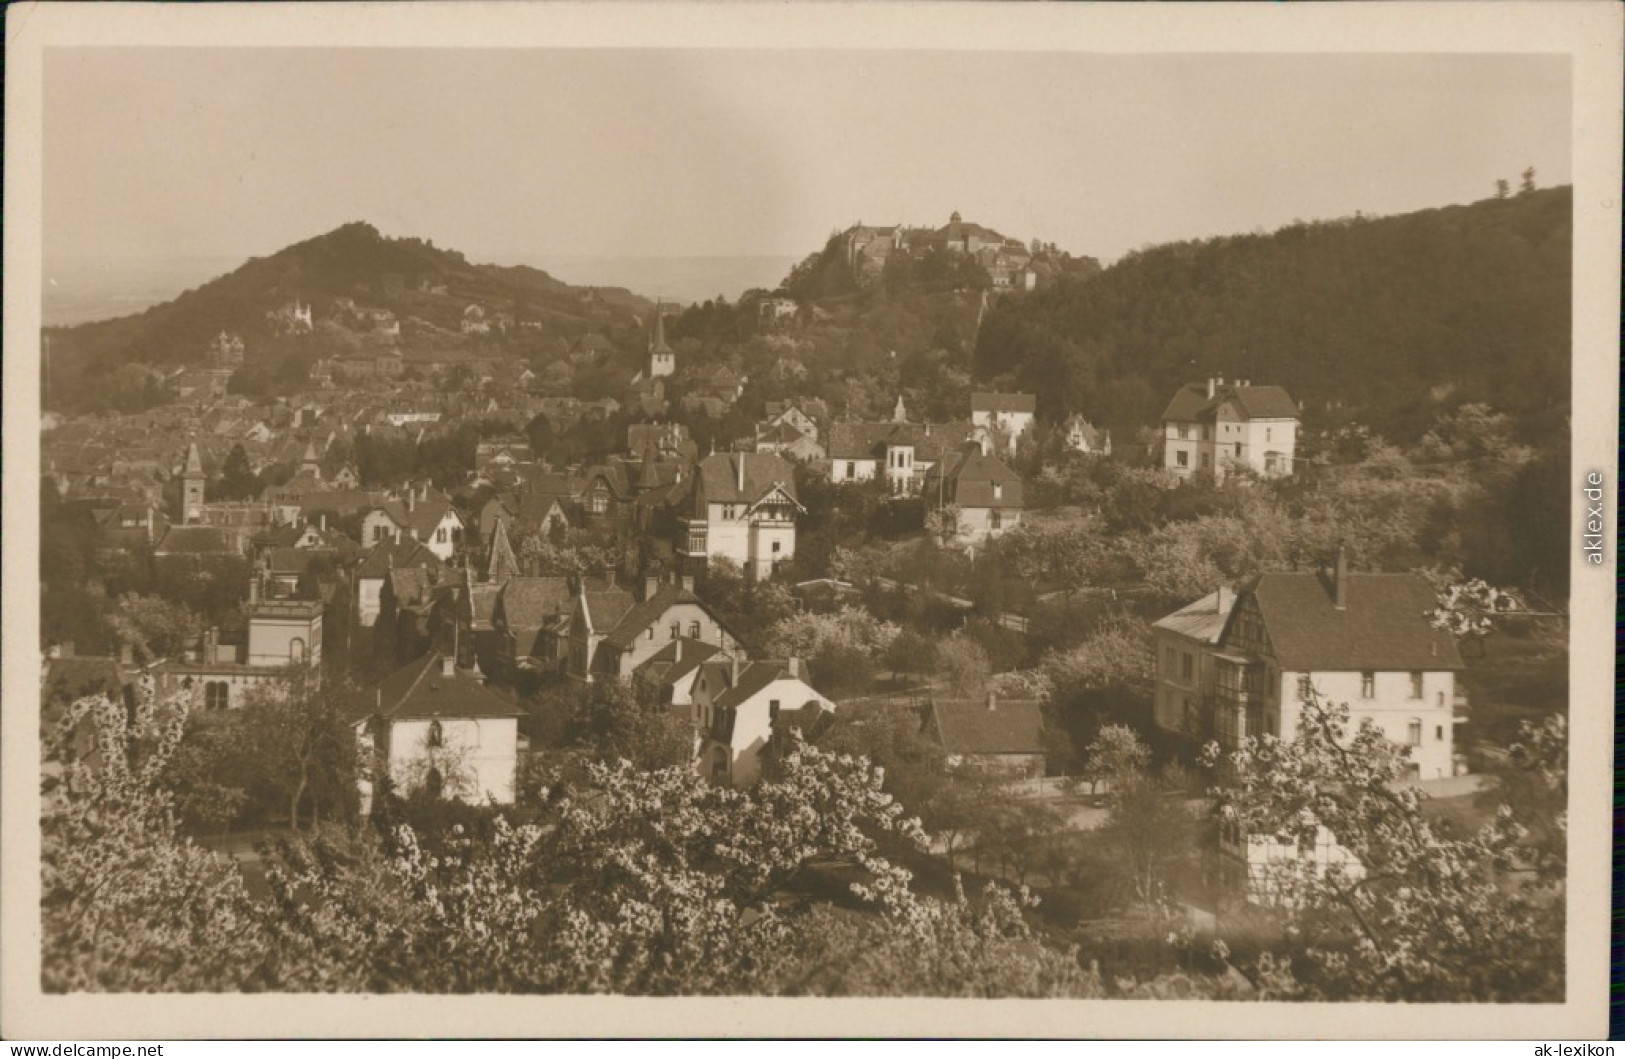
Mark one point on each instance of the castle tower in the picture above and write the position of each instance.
(662, 358)
(192, 486)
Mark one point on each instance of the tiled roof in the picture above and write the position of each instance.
(719, 476)
(967, 726)
(404, 553)
(968, 480)
(1203, 620)
(528, 602)
(638, 619)
(667, 667)
(198, 540)
(421, 689)
(852, 440)
(1191, 403)
(607, 606)
(1384, 624)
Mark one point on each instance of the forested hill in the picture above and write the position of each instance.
(1377, 319)
(426, 288)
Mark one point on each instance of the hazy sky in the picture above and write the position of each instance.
(505, 154)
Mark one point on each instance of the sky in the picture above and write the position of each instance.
(160, 153)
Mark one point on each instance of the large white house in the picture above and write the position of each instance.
(1288, 638)
(437, 729)
(742, 507)
(737, 706)
(1004, 415)
(1220, 427)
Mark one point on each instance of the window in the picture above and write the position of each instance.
(851, 469)
(719, 763)
(676, 629)
(995, 519)
(441, 536)
(296, 650)
(651, 632)
(1306, 688)
(1267, 432)
(772, 711)
(434, 783)
(437, 735)
(1238, 450)
(1416, 684)
(1206, 460)
(775, 547)
(694, 630)
(1182, 458)
(216, 695)
(1438, 733)
(1413, 733)
(379, 532)
(1368, 685)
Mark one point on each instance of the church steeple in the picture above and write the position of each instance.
(192, 486)
(662, 358)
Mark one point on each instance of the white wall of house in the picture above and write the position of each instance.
(446, 536)
(477, 761)
(680, 619)
(753, 727)
(731, 534)
(281, 642)
(369, 592)
(977, 525)
(377, 526)
(1426, 724)
(853, 470)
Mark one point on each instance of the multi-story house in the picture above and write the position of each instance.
(283, 636)
(437, 729)
(742, 506)
(737, 706)
(898, 452)
(1220, 427)
(612, 633)
(984, 494)
(423, 515)
(1331, 635)
(1080, 435)
(1004, 415)
(1185, 644)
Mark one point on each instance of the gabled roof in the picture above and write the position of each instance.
(421, 690)
(501, 564)
(1003, 402)
(968, 479)
(198, 540)
(853, 440)
(606, 606)
(636, 620)
(1203, 620)
(1192, 404)
(719, 477)
(387, 555)
(1384, 625)
(529, 602)
(968, 726)
(677, 659)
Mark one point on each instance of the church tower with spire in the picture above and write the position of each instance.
(192, 486)
(662, 358)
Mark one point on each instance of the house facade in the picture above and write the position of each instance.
(743, 508)
(984, 495)
(1004, 415)
(1185, 644)
(1223, 427)
(1358, 638)
(437, 729)
(737, 706)
(1005, 735)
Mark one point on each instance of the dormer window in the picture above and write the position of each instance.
(998, 490)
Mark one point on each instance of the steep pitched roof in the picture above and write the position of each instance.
(969, 479)
(637, 620)
(1203, 620)
(606, 606)
(1384, 624)
(529, 602)
(387, 555)
(198, 540)
(968, 726)
(421, 689)
(719, 477)
(502, 563)
(677, 659)
(853, 440)
(1192, 404)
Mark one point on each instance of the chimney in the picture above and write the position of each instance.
(677, 650)
(1340, 579)
(448, 665)
(411, 499)
(1212, 385)
(792, 665)
(733, 671)
(1223, 598)
(741, 476)
(992, 701)
(651, 585)
(126, 653)
(324, 521)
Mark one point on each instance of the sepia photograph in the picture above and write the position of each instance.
(562, 508)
